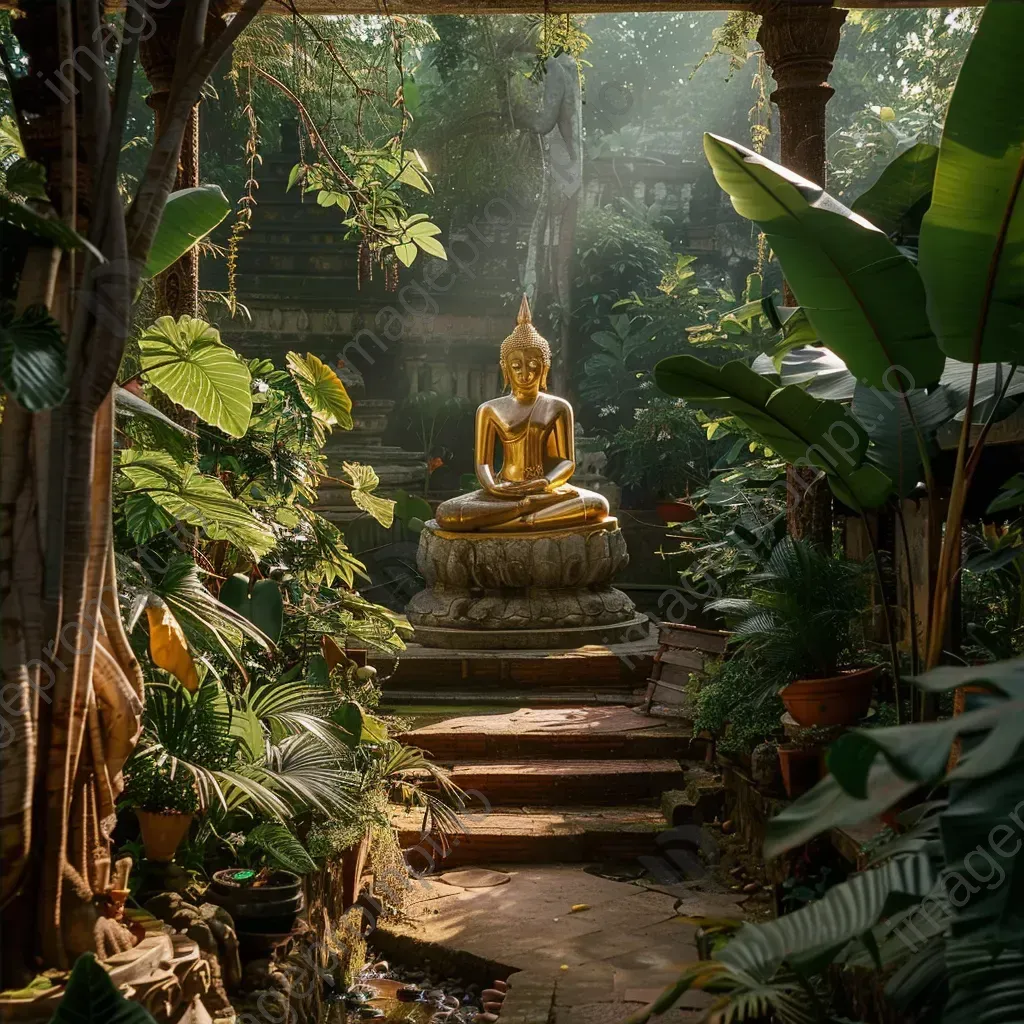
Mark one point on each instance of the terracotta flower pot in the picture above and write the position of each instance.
(801, 768)
(838, 700)
(675, 511)
(162, 832)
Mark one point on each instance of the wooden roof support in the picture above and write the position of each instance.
(574, 6)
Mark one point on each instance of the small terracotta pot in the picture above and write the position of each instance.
(838, 700)
(802, 768)
(162, 832)
(675, 511)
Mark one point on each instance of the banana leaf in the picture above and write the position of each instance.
(864, 297)
(898, 200)
(802, 429)
(972, 238)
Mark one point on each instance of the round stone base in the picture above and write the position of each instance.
(531, 639)
(529, 591)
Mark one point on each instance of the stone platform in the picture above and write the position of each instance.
(516, 591)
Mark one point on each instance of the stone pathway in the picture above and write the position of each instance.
(592, 966)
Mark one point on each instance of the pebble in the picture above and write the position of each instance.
(501, 986)
(492, 1007)
(751, 887)
(492, 995)
(728, 826)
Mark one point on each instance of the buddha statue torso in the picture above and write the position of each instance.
(531, 491)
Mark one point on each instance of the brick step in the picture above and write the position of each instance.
(575, 733)
(417, 702)
(535, 835)
(550, 783)
(612, 668)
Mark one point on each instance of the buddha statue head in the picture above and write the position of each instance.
(525, 356)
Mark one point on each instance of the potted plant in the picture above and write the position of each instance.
(801, 626)
(165, 802)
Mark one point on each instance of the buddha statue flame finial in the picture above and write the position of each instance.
(526, 335)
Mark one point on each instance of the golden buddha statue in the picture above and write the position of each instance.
(531, 491)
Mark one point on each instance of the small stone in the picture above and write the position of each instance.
(501, 986)
(492, 995)
(736, 888)
(492, 1007)
(751, 887)
(554, 919)
(564, 967)
(728, 826)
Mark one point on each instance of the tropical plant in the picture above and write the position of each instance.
(802, 617)
(92, 998)
(936, 912)
(893, 323)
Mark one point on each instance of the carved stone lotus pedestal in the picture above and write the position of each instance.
(522, 591)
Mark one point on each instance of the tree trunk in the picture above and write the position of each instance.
(72, 689)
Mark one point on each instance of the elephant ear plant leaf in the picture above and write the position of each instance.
(188, 362)
(860, 293)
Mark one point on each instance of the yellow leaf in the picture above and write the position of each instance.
(168, 647)
(577, 907)
(887, 114)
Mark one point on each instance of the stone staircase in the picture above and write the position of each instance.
(571, 784)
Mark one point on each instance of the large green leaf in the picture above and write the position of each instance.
(802, 429)
(862, 295)
(844, 913)
(92, 998)
(263, 607)
(986, 982)
(321, 389)
(195, 499)
(894, 429)
(899, 198)
(829, 806)
(188, 362)
(280, 844)
(33, 357)
(189, 216)
(365, 482)
(972, 238)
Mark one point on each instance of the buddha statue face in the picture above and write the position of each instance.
(525, 369)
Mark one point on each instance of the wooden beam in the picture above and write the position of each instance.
(549, 6)
(570, 6)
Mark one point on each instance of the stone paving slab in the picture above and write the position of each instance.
(587, 967)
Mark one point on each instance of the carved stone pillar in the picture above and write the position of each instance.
(177, 288)
(800, 41)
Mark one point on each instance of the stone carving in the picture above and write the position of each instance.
(515, 585)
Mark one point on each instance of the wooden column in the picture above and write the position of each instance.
(800, 41)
